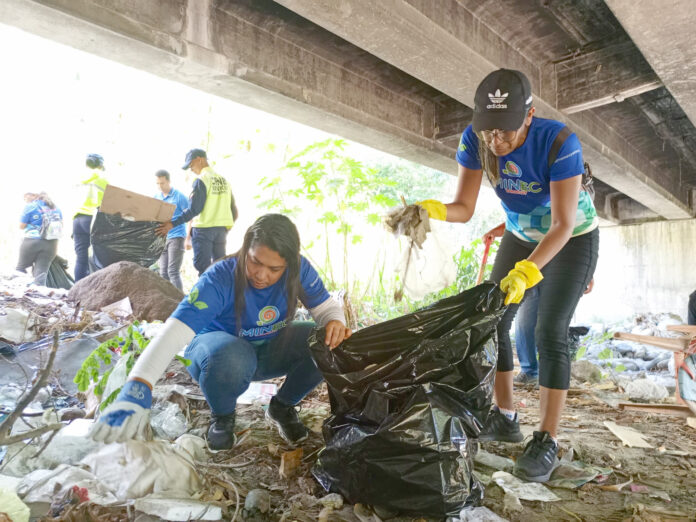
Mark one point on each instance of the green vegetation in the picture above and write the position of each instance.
(130, 346)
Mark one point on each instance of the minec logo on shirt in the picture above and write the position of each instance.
(497, 100)
(516, 186)
(267, 315)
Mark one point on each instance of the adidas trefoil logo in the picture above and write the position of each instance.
(497, 100)
(496, 97)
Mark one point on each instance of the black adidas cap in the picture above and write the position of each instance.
(501, 101)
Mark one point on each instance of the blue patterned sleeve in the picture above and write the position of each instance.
(467, 152)
(569, 161)
(313, 286)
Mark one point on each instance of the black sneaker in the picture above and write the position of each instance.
(499, 427)
(221, 434)
(539, 458)
(287, 421)
(526, 380)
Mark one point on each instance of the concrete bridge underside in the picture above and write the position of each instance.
(399, 75)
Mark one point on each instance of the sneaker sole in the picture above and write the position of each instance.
(539, 478)
(276, 425)
(211, 450)
(518, 437)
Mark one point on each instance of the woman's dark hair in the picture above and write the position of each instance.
(489, 161)
(278, 233)
(42, 196)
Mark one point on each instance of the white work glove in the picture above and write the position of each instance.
(128, 417)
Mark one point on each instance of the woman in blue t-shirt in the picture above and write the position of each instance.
(551, 239)
(41, 222)
(238, 324)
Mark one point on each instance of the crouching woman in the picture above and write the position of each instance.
(238, 324)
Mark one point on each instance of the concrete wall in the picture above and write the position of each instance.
(642, 268)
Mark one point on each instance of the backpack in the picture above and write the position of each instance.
(51, 223)
(587, 183)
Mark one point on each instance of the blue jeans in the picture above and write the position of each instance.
(224, 365)
(525, 322)
(81, 226)
(208, 246)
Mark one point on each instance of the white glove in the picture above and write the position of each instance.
(128, 417)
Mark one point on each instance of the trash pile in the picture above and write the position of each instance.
(408, 399)
(629, 362)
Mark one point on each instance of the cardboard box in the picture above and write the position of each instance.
(135, 207)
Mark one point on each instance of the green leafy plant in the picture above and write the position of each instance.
(131, 345)
(605, 354)
(342, 192)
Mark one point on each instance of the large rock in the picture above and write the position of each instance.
(646, 390)
(152, 298)
(585, 371)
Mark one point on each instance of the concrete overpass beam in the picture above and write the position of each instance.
(443, 44)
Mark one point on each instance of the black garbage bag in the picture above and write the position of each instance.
(575, 333)
(58, 275)
(116, 239)
(408, 399)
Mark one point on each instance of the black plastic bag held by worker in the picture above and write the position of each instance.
(407, 398)
(116, 239)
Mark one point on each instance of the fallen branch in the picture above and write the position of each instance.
(6, 425)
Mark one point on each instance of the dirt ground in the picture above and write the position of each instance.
(664, 477)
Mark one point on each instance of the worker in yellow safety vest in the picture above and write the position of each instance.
(92, 186)
(212, 209)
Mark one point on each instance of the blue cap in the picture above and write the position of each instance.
(95, 161)
(192, 155)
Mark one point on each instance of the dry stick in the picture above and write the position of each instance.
(7, 424)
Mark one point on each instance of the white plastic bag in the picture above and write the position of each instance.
(428, 269)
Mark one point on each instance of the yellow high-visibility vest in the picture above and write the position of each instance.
(217, 211)
(93, 185)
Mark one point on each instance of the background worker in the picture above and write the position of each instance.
(212, 208)
(238, 324)
(525, 324)
(551, 238)
(91, 187)
(173, 253)
(42, 223)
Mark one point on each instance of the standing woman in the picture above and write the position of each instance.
(42, 223)
(551, 239)
(238, 324)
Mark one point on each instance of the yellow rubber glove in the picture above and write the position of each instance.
(524, 275)
(436, 209)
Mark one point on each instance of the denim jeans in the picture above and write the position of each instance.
(566, 277)
(170, 261)
(224, 365)
(81, 226)
(525, 323)
(208, 246)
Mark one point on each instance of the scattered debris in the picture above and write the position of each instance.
(616, 487)
(493, 461)
(257, 502)
(289, 462)
(411, 221)
(629, 436)
(646, 390)
(12, 507)
(479, 514)
(585, 371)
(177, 508)
(523, 490)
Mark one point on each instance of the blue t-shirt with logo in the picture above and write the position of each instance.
(33, 215)
(524, 187)
(209, 306)
(182, 203)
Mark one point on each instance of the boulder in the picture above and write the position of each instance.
(152, 297)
